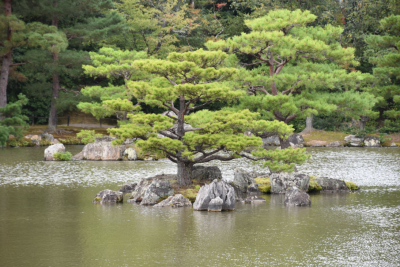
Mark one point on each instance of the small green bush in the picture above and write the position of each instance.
(87, 136)
(63, 156)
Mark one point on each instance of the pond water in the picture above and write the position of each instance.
(47, 218)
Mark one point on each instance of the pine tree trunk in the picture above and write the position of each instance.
(309, 125)
(184, 169)
(52, 125)
(5, 67)
(284, 143)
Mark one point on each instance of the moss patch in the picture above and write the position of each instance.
(351, 185)
(314, 186)
(264, 184)
(190, 191)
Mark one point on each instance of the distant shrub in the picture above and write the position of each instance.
(63, 156)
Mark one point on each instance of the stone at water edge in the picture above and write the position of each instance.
(215, 204)
(128, 188)
(101, 149)
(372, 141)
(156, 190)
(335, 144)
(49, 152)
(329, 184)
(206, 173)
(220, 189)
(295, 196)
(108, 196)
(253, 190)
(242, 178)
(280, 182)
(393, 144)
(175, 201)
(130, 154)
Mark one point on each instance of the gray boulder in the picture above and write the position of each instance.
(254, 200)
(219, 189)
(157, 189)
(174, 201)
(271, 140)
(335, 144)
(352, 140)
(128, 188)
(138, 194)
(108, 196)
(372, 141)
(49, 152)
(130, 154)
(296, 139)
(242, 178)
(47, 137)
(102, 149)
(215, 204)
(295, 196)
(280, 182)
(329, 184)
(348, 138)
(206, 173)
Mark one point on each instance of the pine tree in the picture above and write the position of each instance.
(293, 63)
(14, 122)
(384, 53)
(184, 83)
(116, 100)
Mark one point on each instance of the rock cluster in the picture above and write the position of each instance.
(280, 182)
(295, 196)
(216, 196)
(295, 140)
(49, 152)
(242, 178)
(369, 141)
(175, 201)
(149, 191)
(108, 196)
(37, 138)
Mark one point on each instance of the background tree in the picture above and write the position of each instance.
(116, 99)
(13, 122)
(384, 53)
(294, 62)
(192, 80)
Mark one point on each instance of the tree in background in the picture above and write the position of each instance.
(13, 122)
(116, 99)
(293, 61)
(187, 82)
(84, 23)
(384, 53)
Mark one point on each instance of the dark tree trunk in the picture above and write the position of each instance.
(52, 125)
(6, 62)
(184, 168)
(284, 143)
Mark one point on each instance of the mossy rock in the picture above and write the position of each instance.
(264, 184)
(314, 186)
(351, 186)
(162, 198)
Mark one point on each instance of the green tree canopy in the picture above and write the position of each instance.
(187, 82)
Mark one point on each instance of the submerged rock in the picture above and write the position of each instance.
(295, 196)
(102, 149)
(209, 192)
(280, 182)
(49, 152)
(329, 184)
(108, 196)
(174, 201)
(254, 200)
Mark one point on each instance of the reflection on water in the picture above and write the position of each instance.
(47, 218)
